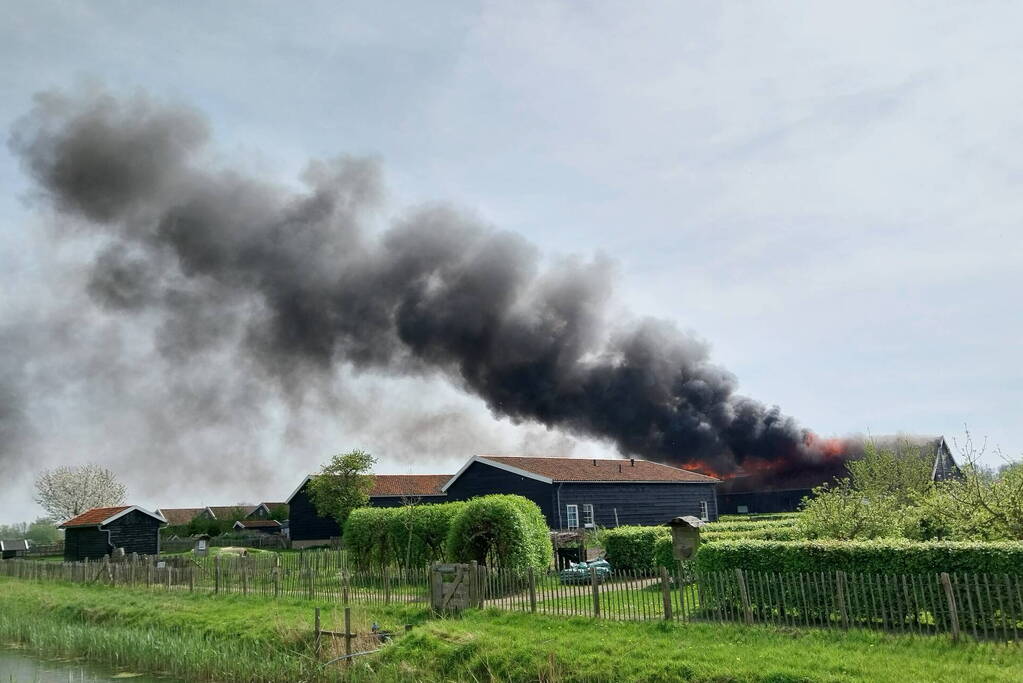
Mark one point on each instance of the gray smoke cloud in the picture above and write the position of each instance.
(290, 286)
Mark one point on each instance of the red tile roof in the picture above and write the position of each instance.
(176, 516)
(408, 484)
(225, 512)
(599, 470)
(257, 523)
(94, 516)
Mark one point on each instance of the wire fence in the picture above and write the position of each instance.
(979, 606)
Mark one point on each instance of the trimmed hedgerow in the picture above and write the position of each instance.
(752, 525)
(412, 535)
(664, 552)
(766, 534)
(882, 556)
(500, 531)
(632, 547)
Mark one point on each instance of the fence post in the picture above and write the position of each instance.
(666, 593)
(596, 591)
(953, 613)
(191, 579)
(216, 574)
(277, 576)
(840, 588)
(532, 590)
(744, 594)
(309, 580)
(475, 589)
(436, 586)
(317, 627)
(348, 635)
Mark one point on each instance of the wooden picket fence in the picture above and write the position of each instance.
(979, 606)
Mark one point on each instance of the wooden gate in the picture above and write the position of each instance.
(454, 587)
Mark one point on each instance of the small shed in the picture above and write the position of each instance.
(96, 533)
(12, 549)
(261, 526)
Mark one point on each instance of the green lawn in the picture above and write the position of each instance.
(233, 637)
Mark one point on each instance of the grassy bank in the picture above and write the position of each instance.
(236, 638)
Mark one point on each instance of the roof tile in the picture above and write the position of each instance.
(94, 516)
(600, 470)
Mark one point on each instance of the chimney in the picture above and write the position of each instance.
(633, 461)
(594, 462)
(619, 467)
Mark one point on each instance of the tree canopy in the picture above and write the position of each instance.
(342, 485)
(67, 491)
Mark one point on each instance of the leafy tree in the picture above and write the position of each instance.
(902, 472)
(67, 492)
(43, 531)
(342, 485)
(840, 511)
(279, 512)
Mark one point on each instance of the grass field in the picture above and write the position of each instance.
(237, 638)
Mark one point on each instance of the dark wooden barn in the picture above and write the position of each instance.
(307, 528)
(586, 493)
(11, 549)
(96, 533)
(752, 494)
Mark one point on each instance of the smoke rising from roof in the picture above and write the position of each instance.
(295, 285)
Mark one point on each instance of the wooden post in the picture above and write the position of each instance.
(216, 574)
(317, 627)
(596, 591)
(744, 594)
(245, 579)
(309, 580)
(191, 579)
(348, 634)
(474, 584)
(666, 593)
(436, 587)
(953, 613)
(532, 591)
(277, 576)
(840, 596)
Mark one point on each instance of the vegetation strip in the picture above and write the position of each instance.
(227, 637)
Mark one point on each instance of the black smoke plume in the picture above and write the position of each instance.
(207, 250)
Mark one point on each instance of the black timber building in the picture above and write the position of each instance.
(98, 532)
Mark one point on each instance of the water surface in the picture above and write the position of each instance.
(21, 666)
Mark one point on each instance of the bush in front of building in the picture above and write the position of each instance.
(410, 535)
(881, 556)
(632, 547)
(501, 530)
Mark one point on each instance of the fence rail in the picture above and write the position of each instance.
(979, 606)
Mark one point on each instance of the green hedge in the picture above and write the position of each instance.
(883, 556)
(502, 531)
(412, 535)
(766, 534)
(632, 547)
(752, 525)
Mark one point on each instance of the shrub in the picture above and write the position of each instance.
(632, 547)
(367, 536)
(664, 552)
(884, 556)
(500, 530)
(786, 533)
(412, 535)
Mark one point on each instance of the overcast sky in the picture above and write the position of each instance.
(829, 194)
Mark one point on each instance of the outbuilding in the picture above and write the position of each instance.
(98, 532)
(11, 549)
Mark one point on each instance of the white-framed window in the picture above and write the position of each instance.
(588, 515)
(704, 511)
(742, 509)
(572, 514)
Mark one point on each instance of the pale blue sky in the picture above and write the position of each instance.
(830, 194)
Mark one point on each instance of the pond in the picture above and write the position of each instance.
(21, 666)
